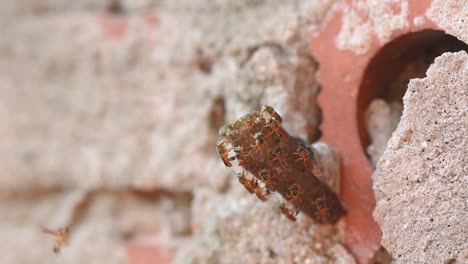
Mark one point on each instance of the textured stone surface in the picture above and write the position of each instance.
(110, 108)
(106, 114)
(452, 16)
(91, 100)
(100, 227)
(421, 181)
(246, 230)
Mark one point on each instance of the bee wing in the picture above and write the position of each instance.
(48, 231)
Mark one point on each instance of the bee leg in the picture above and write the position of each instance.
(288, 212)
(249, 184)
(260, 195)
(57, 250)
(249, 188)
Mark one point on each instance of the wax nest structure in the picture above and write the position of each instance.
(269, 160)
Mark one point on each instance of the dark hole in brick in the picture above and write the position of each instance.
(204, 62)
(450, 261)
(271, 253)
(217, 113)
(313, 129)
(388, 73)
(115, 7)
(381, 257)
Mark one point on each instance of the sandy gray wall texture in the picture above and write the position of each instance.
(97, 102)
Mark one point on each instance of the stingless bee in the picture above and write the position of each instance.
(305, 155)
(269, 179)
(252, 186)
(223, 153)
(294, 195)
(61, 237)
(280, 156)
(259, 140)
(288, 212)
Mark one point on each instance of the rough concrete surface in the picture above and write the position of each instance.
(246, 230)
(117, 112)
(97, 99)
(452, 16)
(80, 115)
(421, 182)
(364, 19)
(99, 229)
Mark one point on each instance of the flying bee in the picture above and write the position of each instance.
(61, 237)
